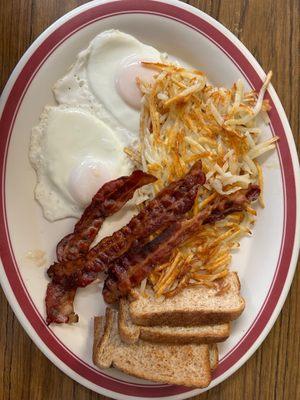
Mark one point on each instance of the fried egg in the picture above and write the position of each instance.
(104, 76)
(79, 145)
(74, 152)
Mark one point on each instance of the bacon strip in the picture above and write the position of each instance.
(129, 270)
(167, 207)
(109, 199)
(59, 304)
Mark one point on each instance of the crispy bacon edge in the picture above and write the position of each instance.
(109, 199)
(60, 304)
(129, 270)
(166, 208)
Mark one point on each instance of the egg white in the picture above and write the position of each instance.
(67, 141)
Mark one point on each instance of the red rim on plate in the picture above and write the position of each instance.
(11, 107)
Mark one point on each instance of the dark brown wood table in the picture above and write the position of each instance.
(270, 30)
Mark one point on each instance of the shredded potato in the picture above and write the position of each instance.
(183, 119)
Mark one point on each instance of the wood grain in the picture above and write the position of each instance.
(270, 30)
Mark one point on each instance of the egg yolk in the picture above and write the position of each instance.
(126, 81)
(86, 179)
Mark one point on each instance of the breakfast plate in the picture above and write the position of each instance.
(266, 263)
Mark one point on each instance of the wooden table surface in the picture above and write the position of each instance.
(270, 30)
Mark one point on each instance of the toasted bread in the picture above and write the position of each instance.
(131, 333)
(195, 305)
(185, 364)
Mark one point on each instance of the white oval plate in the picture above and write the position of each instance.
(265, 262)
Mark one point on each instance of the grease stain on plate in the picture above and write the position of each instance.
(37, 257)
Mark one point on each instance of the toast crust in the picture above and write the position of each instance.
(151, 335)
(103, 326)
(128, 331)
(214, 356)
(99, 323)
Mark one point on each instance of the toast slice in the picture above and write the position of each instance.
(131, 333)
(195, 305)
(186, 364)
